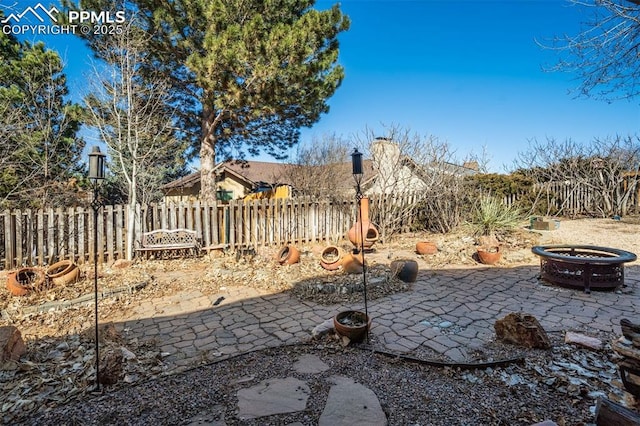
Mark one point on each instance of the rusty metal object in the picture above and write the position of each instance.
(586, 267)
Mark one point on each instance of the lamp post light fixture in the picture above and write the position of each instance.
(96, 176)
(358, 173)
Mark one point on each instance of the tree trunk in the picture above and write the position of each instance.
(131, 220)
(207, 158)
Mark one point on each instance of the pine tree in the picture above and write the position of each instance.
(38, 125)
(246, 74)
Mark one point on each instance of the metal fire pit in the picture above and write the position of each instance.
(586, 267)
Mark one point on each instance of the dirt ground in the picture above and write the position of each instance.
(623, 234)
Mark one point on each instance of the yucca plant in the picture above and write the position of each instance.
(491, 218)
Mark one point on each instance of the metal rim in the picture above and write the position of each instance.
(613, 255)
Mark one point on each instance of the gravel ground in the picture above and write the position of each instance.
(561, 384)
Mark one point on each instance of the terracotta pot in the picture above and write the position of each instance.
(489, 255)
(352, 324)
(288, 255)
(426, 247)
(352, 263)
(63, 273)
(370, 232)
(331, 258)
(405, 269)
(22, 281)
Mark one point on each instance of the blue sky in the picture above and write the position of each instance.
(469, 72)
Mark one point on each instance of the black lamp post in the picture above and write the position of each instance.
(356, 167)
(96, 175)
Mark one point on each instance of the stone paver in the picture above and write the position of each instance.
(448, 311)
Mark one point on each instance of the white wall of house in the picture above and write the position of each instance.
(393, 173)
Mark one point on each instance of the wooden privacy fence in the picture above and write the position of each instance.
(42, 237)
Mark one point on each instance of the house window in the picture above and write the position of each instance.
(224, 195)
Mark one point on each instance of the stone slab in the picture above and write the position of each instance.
(352, 404)
(273, 396)
(310, 364)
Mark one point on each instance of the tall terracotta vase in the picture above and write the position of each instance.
(370, 232)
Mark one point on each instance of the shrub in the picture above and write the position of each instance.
(491, 218)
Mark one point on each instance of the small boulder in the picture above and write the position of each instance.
(522, 329)
(121, 264)
(322, 329)
(11, 342)
(111, 367)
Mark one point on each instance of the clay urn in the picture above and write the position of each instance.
(353, 263)
(24, 280)
(288, 255)
(426, 247)
(370, 232)
(489, 255)
(331, 258)
(63, 272)
(405, 270)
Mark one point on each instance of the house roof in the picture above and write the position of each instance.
(255, 173)
(259, 171)
(184, 182)
(252, 172)
(263, 172)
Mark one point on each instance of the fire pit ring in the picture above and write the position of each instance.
(586, 267)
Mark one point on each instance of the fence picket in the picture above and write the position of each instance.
(71, 229)
(82, 235)
(119, 226)
(18, 238)
(110, 249)
(40, 237)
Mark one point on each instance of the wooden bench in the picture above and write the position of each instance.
(169, 240)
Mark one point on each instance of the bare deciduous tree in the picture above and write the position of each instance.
(604, 55)
(404, 163)
(604, 174)
(320, 169)
(132, 117)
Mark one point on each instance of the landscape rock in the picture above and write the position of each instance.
(310, 364)
(111, 370)
(322, 328)
(352, 404)
(11, 342)
(522, 329)
(121, 264)
(582, 340)
(274, 396)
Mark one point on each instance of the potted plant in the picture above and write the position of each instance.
(491, 220)
(352, 324)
